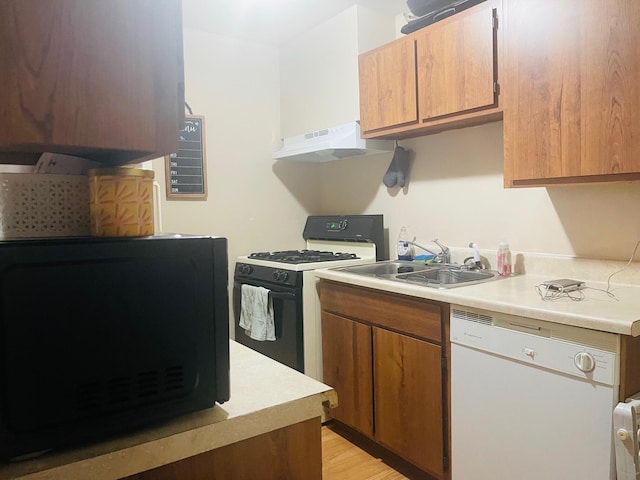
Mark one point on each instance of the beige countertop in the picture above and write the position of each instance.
(265, 396)
(517, 295)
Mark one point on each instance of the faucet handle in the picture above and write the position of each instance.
(442, 247)
(446, 253)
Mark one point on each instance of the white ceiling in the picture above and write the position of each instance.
(271, 21)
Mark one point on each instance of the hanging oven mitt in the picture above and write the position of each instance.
(398, 169)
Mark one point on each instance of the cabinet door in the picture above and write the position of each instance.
(388, 86)
(347, 367)
(408, 398)
(456, 61)
(94, 78)
(571, 92)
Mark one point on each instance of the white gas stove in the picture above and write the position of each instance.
(332, 241)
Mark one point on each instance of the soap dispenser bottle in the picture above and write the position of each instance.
(504, 259)
(405, 252)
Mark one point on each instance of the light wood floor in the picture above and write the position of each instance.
(342, 460)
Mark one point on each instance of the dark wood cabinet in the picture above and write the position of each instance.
(100, 79)
(384, 355)
(439, 77)
(571, 94)
(348, 368)
(408, 398)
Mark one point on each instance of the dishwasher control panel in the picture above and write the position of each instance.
(588, 355)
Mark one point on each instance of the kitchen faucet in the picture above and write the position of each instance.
(443, 257)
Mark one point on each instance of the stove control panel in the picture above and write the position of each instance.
(337, 226)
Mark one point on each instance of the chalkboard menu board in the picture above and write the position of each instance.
(185, 170)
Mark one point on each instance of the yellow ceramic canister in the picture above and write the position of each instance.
(121, 202)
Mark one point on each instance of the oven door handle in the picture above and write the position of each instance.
(282, 295)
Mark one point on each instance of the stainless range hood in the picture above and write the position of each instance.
(329, 144)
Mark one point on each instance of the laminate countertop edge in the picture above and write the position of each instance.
(265, 396)
(517, 295)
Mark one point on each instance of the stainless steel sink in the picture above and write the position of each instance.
(384, 269)
(428, 275)
(448, 277)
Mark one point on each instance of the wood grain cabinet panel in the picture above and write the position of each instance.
(571, 91)
(388, 86)
(385, 356)
(408, 398)
(439, 77)
(456, 64)
(412, 316)
(93, 78)
(347, 367)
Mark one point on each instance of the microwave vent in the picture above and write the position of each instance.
(174, 379)
(152, 386)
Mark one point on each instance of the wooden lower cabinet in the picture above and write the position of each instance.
(390, 381)
(408, 398)
(348, 369)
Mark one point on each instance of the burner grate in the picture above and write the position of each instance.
(303, 256)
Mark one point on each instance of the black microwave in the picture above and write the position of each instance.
(100, 336)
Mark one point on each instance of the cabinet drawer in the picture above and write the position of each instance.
(416, 317)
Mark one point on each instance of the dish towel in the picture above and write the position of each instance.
(256, 313)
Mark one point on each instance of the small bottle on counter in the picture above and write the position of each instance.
(504, 259)
(405, 252)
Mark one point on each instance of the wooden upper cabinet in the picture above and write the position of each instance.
(441, 76)
(571, 91)
(388, 86)
(93, 78)
(456, 64)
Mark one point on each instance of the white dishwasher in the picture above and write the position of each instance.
(531, 400)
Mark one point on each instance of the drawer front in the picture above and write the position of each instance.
(412, 316)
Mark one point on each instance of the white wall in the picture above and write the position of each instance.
(456, 194)
(319, 70)
(256, 204)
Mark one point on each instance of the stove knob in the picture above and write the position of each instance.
(246, 269)
(584, 361)
(280, 275)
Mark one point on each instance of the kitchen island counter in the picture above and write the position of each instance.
(517, 295)
(266, 397)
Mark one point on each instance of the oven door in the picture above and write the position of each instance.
(287, 311)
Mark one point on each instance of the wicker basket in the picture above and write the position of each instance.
(43, 205)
